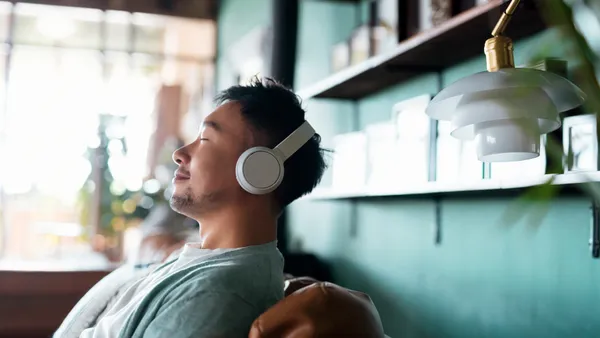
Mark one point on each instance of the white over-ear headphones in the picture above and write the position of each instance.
(259, 170)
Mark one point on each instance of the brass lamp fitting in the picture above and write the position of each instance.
(499, 49)
(499, 53)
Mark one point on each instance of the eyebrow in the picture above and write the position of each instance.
(211, 124)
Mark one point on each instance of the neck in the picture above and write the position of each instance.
(235, 227)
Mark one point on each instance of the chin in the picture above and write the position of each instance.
(181, 203)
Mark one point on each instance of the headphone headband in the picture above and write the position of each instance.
(295, 140)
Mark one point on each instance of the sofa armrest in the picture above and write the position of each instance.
(320, 310)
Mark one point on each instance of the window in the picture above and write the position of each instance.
(5, 10)
(57, 26)
(118, 31)
(77, 117)
(173, 36)
(3, 58)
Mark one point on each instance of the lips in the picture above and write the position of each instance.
(181, 175)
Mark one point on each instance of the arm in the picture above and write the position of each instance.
(94, 304)
(205, 315)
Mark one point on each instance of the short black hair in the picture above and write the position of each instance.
(275, 111)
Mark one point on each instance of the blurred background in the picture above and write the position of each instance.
(92, 104)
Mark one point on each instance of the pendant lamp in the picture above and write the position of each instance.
(505, 109)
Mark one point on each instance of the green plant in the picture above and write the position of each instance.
(560, 15)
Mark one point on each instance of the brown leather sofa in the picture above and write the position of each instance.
(319, 309)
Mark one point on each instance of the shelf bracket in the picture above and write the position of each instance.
(353, 219)
(595, 230)
(433, 134)
(437, 230)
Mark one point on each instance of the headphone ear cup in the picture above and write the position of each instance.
(259, 170)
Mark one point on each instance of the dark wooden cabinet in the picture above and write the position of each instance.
(34, 303)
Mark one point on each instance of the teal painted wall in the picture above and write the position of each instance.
(236, 18)
(487, 278)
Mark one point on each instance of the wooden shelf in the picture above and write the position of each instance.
(433, 189)
(451, 43)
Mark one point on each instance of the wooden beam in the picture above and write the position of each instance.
(34, 303)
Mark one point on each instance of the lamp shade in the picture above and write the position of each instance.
(506, 111)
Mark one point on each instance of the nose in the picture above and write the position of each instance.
(181, 156)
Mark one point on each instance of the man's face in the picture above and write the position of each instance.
(206, 174)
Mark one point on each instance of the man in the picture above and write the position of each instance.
(220, 285)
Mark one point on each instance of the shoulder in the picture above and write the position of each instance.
(239, 271)
(254, 275)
